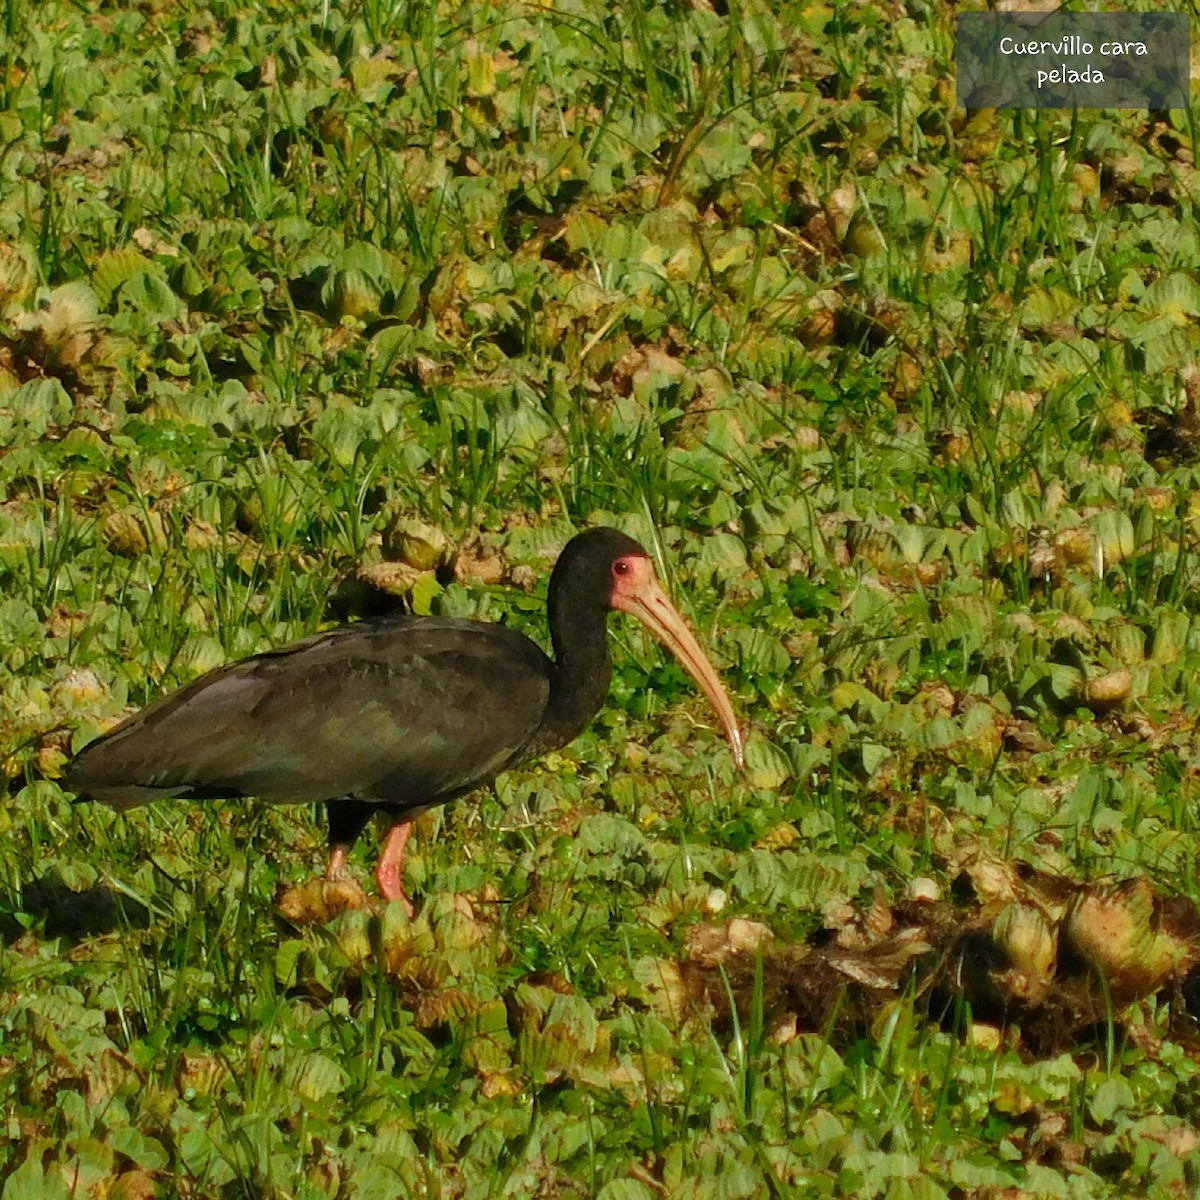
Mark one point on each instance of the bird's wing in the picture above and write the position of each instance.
(401, 712)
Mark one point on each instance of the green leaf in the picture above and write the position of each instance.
(287, 961)
(874, 756)
(30, 1181)
(314, 1077)
(145, 1152)
(625, 1189)
(1110, 1097)
(424, 590)
(148, 293)
(117, 267)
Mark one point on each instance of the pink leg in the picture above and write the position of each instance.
(335, 870)
(391, 863)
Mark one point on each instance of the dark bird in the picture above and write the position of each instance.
(398, 714)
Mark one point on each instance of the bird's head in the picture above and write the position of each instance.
(605, 566)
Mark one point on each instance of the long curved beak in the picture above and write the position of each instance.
(640, 594)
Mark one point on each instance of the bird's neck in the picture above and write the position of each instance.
(582, 671)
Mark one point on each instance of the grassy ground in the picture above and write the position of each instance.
(903, 403)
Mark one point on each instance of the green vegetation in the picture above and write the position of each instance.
(906, 406)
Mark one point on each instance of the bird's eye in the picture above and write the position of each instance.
(621, 567)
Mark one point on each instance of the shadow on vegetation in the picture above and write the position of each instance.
(355, 599)
(65, 913)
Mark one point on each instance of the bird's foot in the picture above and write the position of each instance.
(336, 870)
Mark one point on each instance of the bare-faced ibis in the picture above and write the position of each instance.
(397, 714)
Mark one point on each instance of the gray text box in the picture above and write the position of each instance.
(1073, 60)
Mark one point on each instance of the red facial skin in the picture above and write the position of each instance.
(636, 590)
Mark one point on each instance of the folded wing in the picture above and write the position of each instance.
(401, 712)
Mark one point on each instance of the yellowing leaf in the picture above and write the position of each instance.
(1177, 295)
(314, 1077)
(115, 267)
(767, 766)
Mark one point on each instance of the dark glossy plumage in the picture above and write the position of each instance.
(390, 711)
(397, 714)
